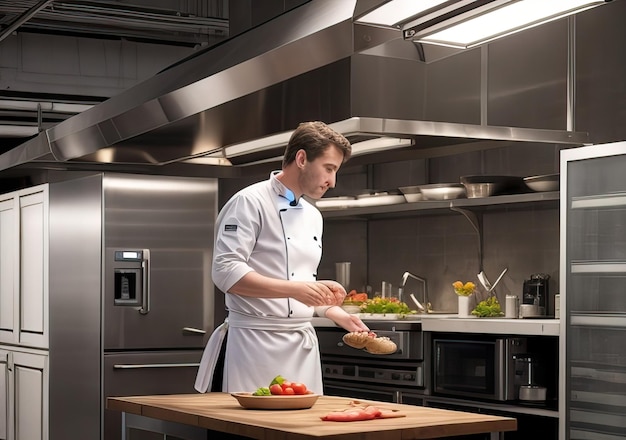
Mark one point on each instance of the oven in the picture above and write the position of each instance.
(397, 377)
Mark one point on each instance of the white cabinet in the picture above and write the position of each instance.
(33, 282)
(24, 314)
(24, 267)
(24, 391)
(5, 392)
(8, 257)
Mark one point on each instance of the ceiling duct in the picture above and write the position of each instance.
(313, 62)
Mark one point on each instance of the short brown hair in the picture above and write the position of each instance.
(314, 138)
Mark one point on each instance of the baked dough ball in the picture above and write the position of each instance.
(370, 342)
(381, 345)
(358, 339)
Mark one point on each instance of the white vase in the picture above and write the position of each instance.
(464, 306)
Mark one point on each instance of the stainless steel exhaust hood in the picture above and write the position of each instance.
(312, 63)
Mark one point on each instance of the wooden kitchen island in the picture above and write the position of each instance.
(193, 416)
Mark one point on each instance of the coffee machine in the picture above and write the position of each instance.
(534, 296)
(529, 378)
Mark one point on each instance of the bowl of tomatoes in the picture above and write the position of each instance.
(280, 394)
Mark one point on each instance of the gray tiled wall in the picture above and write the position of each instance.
(443, 247)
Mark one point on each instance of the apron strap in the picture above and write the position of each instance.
(204, 378)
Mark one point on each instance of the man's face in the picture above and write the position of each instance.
(318, 176)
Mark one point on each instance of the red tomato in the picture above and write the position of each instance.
(288, 390)
(276, 389)
(285, 384)
(298, 388)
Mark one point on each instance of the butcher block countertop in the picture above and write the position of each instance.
(221, 412)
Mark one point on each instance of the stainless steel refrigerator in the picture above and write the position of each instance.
(131, 295)
(593, 299)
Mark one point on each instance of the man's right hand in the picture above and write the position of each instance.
(320, 293)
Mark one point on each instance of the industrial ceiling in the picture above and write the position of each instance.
(189, 22)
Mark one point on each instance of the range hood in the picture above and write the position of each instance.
(311, 63)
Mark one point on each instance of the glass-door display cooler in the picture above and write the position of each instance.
(593, 293)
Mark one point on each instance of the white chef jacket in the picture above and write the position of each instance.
(264, 229)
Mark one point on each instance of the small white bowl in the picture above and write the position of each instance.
(443, 191)
(351, 309)
(546, 182)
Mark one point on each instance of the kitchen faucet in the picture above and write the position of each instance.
(425, 306)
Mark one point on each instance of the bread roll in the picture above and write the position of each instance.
(381, 345)
(357, 339)
(370, 342)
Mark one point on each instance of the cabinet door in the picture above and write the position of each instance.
(30, 397)
(33, 281)
(593, 299)
(5, 393)
(8, 268)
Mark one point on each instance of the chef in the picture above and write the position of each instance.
(268, 246)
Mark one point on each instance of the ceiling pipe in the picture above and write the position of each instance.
(23, 18)
(47, 106)
(11, 131)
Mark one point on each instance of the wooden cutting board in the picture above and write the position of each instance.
(221, 412)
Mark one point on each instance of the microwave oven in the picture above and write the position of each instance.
(477, 367)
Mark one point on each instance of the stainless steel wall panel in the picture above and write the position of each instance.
(75, 224)
(453, 89)
(375, 91)
(600, 72)
(527, 78)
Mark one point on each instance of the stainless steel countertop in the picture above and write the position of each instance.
(451, 323)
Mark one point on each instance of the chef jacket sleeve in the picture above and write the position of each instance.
(321, 310)
(237, 230)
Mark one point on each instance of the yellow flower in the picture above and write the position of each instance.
(464, 289)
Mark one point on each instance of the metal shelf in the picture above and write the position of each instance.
(439, 206)
(598, 267)
(599, 201)
(613, 320)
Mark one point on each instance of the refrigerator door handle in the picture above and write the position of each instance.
(195, 331)
(137, 366)
(145, 289)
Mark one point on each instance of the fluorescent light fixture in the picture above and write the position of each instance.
(396, 11)
(262, 144)
(496, 20)
(378, 144)
(208, 160)
(281, 140)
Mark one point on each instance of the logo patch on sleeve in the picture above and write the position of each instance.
(230, 228)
